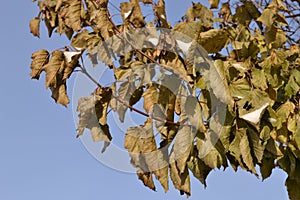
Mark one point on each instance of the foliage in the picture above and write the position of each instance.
(254, 75)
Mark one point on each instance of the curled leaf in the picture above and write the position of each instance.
(39, 59)
(35, 26)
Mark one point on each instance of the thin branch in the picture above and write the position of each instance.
(84, 71)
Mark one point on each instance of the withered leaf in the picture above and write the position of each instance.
(39, 59)
(35, 26)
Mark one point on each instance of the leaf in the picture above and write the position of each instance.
(72, 14)
(266, 167)
(54, 67)
(137, 16)
(267, 17)
(150, 98)
(160, 13)
(181, 181)
(125, 92)
(182, 147)
(242, 15)
(275, 37)
(218, 82)
(141, 145)
(255, 116)
(35, 26)
(293, 84)
(211, 151)
(198, 168)
(39, 59)
(259, 79)
(90, 113)
(235, 149)
(194, 113)
(246, 154)
(136, 95)
(213, 40)
(201, 12)
(292, 186)
(213, 3)
(59, 93)
(79, 41)
(102, 22)
(283, 113)
(147, 179)
(102, 98)
(71, 58)
(256, 144)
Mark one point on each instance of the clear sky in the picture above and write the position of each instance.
(40, 158)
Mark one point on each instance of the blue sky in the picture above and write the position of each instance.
(40, 158)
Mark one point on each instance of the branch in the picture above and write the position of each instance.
(84, 71)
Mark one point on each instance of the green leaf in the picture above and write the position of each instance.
(235, 149)
(275, 37)
(39, 59)
(293, 84)
(259, 79)
(257, 146)
(35, 26)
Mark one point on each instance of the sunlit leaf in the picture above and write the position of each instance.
(35, 26)
(39, 59)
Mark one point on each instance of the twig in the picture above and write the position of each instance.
(84, 71)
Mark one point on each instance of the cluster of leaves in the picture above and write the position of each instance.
(255, 77)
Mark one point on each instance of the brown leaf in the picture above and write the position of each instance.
(91, 110)
(39, 59)
(214, 3)
(54, 67)
(181, 181)
(147, 179)
(35, 26)
(213, 40)
(141, 145)
(59, 94)
(72, 62)
(73, 15)
(150, 98)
